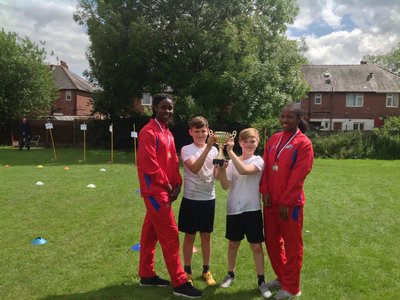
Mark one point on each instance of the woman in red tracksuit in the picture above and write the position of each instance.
(160, 184)
(288, 158)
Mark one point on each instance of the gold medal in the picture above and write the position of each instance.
(275, 167)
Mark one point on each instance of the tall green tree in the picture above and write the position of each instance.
(390, 61)
(26, 83)
(230, 58)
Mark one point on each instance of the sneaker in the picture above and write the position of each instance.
(209, 279)
(187, 290)
(273, 284)
(265, 292)
(153, 281)
(282, 294)
(228, 280)
(189, 278)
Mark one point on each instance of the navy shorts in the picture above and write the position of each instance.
(249, 223)
(196, 215)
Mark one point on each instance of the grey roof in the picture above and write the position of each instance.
(67, 80)
(351, 78)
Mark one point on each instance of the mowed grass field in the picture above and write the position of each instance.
(351, 231)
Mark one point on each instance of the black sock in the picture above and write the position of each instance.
(261, 279)
(231, 274)
(188, 269)
(206, 268)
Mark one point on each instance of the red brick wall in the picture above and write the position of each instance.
(60, 105)
(84, 104)
(334, 106)
(79, 105)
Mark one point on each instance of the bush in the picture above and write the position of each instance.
(386, 145)
(379, 144)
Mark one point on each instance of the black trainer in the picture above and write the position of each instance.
(153, 281)
(187, 290)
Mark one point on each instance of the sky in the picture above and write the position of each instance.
(335, 31)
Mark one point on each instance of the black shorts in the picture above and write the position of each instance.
(196, 216)
(249, 223)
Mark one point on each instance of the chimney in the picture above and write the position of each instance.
(64, 64)
(363, 62)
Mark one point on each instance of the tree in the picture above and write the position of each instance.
(392, 124)
(390, 61)
(26, 83)
(230, 58)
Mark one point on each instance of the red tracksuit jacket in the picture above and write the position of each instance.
(285, 186)
(157, 161)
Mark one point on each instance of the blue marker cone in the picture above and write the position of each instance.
(136, 247)
(39, 241)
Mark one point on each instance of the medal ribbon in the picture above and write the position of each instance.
(159, 125)
(278, 153)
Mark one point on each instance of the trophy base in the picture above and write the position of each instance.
(219, 161)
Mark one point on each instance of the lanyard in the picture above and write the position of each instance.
(161, 128)
(278, 153)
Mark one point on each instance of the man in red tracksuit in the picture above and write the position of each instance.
(288, 158)
(160, 184)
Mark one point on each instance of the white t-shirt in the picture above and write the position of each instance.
(244, 192)
(199, 186)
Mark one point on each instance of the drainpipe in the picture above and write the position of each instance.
(330, 108)
(309, 107)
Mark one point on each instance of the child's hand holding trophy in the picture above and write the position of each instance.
(221, 137)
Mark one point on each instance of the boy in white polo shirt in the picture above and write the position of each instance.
(197, 208)
(241, 175)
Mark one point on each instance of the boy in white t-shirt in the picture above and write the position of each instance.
(241, 175)
(197, 208)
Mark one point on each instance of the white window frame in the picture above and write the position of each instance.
(147, 99)
(392, 100)
(358, 126)
(319, 98)
(68, 95)
(354, 100)
(298, 101)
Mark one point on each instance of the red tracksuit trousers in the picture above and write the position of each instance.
(159, 226)
(284, 242)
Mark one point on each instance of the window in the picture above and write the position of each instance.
(147, 99)
(318, 99)
(68, 95)
(354, 100)
(358, 126)
(392, 100)
(298, 101)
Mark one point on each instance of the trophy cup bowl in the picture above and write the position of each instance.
(221, 137)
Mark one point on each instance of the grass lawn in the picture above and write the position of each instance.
(351, 231)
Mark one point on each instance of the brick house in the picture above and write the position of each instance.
(350, 97)
(74, 93)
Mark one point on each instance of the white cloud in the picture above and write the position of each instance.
(376, 22)
(51, 22)
(329, 15)
(377, 28)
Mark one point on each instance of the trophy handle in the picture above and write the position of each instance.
(233, 134)
(210, 132)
